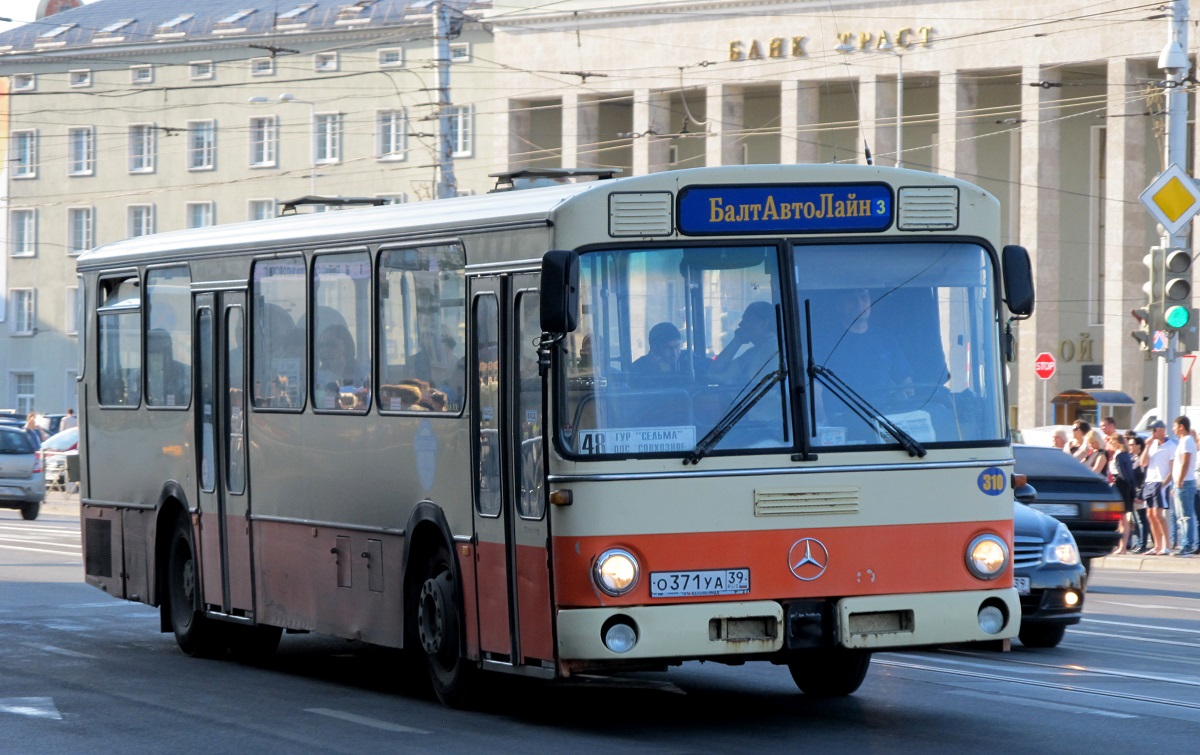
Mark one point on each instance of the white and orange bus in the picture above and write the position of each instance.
(731, 414)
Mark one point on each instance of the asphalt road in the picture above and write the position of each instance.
(84, 673)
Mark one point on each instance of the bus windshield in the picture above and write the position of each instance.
(901, 334)
(686, 351)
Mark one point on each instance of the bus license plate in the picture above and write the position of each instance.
(694, 584)
(1022, 585)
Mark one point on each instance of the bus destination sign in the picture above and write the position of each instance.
(808, 208)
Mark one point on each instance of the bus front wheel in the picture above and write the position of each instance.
(439, 630)
(196, 635)
(829, 673)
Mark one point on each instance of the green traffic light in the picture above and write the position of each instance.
(1177, 317)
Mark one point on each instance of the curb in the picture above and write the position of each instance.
(1158, 564)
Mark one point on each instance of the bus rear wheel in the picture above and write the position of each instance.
(829, 673)
(195, 634)
(439, 631)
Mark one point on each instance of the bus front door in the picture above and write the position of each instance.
(513, 596)
(223, 529)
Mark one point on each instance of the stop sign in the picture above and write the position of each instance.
(1044, 365)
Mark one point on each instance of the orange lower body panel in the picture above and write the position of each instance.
(841, 561)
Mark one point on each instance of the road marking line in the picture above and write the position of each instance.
(57, 650)
(372, 722)
(38, 707)
(1154, 640)
(1155, 627)
(41, 550)
(1040, 704)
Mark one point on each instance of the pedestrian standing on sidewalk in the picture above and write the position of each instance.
(1183, 475)
(1137, 447)
(1160, 450)
(68, 421)
(1120, 472)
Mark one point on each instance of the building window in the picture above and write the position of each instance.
(262, 209)
(71, 324)
(23, 233)
(264, 141)
(24, 82)
(141, 220)
(391, 58)
(141, 149)
(202, 145)
(141, 74)
(81, 234)
(22, 383)
(460, 130)
(262, 66)
(24, 314)
(202, 70)
(392, 126)
(81, 148)
(325, 61)
(327, 138)
(80, 78)
(200, 214)
(460, 52)
(172, 26)
(25, 154)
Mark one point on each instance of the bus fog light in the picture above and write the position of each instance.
(616, 572)
(991, 619)
(619, 635)
(987, 556)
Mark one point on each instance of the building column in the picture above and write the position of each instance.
(877, 118)
(520, 124)
(1040, 233)
(580, 131)
(1125, 226)
(957, 148)
(726, 117)
(652, 123)
(799, 114)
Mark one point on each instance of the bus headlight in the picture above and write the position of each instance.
(987, 556)
(616, 572)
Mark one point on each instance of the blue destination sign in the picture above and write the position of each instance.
(785, 209)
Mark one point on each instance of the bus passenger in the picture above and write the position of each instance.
(336, 366)
(756, 332)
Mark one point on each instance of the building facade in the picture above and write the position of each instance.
(1056, 112)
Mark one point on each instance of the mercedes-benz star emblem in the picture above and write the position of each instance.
(808, 559)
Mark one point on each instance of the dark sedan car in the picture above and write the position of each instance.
(1049, 576)
(1074, 495)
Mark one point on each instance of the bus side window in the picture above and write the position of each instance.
(277, 349)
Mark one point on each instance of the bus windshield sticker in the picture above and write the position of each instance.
(637, 440)
(785, 209)
(696, 584)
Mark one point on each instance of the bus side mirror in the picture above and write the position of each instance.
(560, 291)
(1018, 280)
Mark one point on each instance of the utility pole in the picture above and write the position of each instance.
(1174, 62)
(447, 186)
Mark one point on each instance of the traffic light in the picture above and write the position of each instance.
(1177, 288)
(1152, 314)
(1189, 335)
(1144, 335)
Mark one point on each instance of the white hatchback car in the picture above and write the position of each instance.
(22, 480)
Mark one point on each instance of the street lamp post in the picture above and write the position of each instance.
(312, 121)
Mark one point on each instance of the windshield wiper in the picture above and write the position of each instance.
(740, 409)
(864, 409)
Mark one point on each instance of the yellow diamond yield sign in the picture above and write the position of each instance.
(1172, 198)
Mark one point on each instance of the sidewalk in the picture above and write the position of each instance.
(1134, 562)
(60, 504)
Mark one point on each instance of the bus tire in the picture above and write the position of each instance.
(195, 634)
(829, 673)
(439, 632)
(29, 511)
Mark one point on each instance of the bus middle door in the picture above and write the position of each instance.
(224, 531)
(511, 522)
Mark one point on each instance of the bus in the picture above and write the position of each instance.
(744, 413)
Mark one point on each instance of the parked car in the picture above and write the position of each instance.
(1049, 576)
(54, 456)
(1074, 495)
(22, 481)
